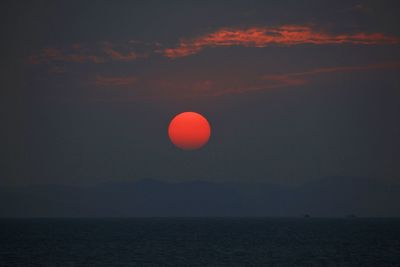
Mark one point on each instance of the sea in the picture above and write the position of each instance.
(148, 242)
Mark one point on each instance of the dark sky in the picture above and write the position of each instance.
(294, 90)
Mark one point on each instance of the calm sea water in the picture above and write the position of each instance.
(200, 242)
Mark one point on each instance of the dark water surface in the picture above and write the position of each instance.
(200, 242)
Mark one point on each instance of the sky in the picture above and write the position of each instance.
(293, 90)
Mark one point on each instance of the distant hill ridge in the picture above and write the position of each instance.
(332, 197)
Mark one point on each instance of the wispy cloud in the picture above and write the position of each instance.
(120, 56)
(362, 8)
(273, 81)
(263, 36)
(126, 52)
(113, 81)
(287, 35)
(51, 54)
(57, 70)
(151, 88)
(94, 53)
(300, 77)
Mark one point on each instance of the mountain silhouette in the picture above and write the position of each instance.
(332, 196)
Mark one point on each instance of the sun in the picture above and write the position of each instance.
(189, 130)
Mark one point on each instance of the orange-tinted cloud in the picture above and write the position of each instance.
(111, 81)
(119, 56)
(264, 36)
(251, 37)
(129, 53)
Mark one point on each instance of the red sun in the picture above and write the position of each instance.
(189, 131)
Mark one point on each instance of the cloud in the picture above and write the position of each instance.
(273, 81)
(112, 81)
(300, 77)
(362, 8)
(51, 54)
(164, 88)
(126, 52)
(57, 70)
(263, 36)
(287, 35)
(93, 53)
(119, 56)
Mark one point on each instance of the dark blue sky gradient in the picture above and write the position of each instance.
(70, 123)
